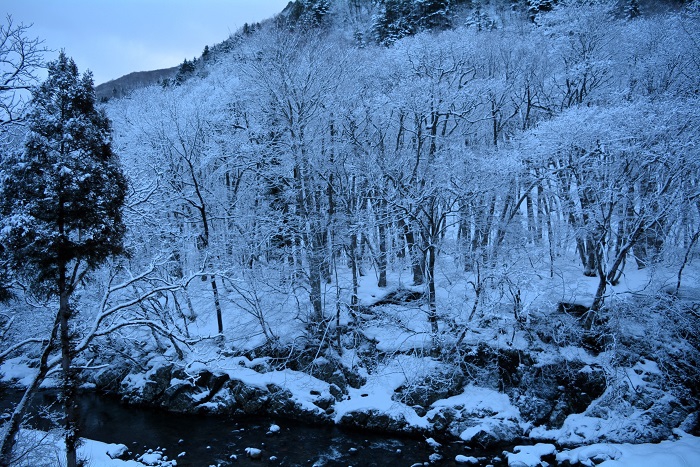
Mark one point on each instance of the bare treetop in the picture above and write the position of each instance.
(20, 57)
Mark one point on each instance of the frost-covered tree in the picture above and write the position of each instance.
(20, 56)
(295, 84)
(61, 210)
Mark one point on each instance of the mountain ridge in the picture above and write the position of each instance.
(361, 16)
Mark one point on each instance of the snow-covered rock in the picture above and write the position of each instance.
(530, 456)
(433, 444)
(462, 459)
(273, 429)
(117, 451)
(478, 415)
(253, 453)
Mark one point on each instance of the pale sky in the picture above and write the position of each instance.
(115, 37)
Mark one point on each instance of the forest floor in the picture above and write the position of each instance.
(516, 369)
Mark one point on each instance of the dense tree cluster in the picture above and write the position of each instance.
(396, 19)
(471, 153)
(494, 148)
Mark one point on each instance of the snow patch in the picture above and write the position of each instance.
(685, 451)
(530, 456)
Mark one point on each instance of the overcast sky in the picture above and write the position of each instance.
(115, 37)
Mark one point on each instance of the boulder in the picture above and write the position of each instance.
(447, 381)
(374, 420)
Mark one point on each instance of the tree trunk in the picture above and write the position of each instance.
(69, 385)
(693, 240)
(13, 425)
(354, 301)
(432, 301)
(382, 257)
(217, 305)
(415, 254)
(532, 227)
(589, 266)
(599, 298)
(315, 287)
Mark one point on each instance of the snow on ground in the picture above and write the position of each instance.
(391, 338)
(42, 449)
(405, 329)
(475, 399)
(581, 429)
(377, 392)
(529, 456)
(683, 452)
(18, 371)
(492, 407)
(48, 450)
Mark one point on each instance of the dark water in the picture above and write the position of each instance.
(205, 441)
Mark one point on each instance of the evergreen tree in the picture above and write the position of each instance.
(433, 14)
(393, 21)
(536, 7)
(307, 14)
(632, 9)
(315, 12)
(399, 18)
(61, 209)
(186, 70)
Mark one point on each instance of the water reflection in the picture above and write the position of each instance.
(222, 441)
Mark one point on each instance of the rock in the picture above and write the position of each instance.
(491, 435)
(249, 399)
(151, 458)
(445, 382)
(420, 410)
(180, 397)
(442, 419)
(495, 367)
(253, 453)
(476, 425)
(399, 297)
(329, 371)
(109, 379)
(531, 456)
(374, 420)
(274, 429)
(691, 424)
(118, 451)
(433, 444)
(547, 394)
(324, 402)
(157, 383)
(460, 459)
(336, 392)
(354, 378)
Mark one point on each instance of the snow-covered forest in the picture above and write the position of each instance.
(474, 220)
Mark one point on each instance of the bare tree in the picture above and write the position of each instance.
(20, 58)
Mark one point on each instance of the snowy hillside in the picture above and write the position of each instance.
(483, 229)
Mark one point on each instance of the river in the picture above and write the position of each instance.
(222, 441)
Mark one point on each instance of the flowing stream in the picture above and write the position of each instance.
(222, 441)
